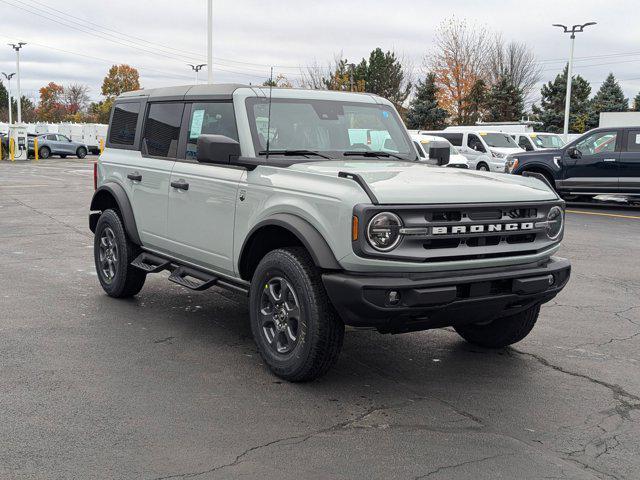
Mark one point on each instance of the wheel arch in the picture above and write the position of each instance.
(539, 168)
(112, 195)
(281, 230)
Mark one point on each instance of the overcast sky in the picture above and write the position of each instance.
(81, 39)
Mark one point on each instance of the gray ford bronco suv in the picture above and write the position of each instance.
(315, 205)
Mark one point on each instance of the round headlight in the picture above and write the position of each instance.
(555, 220)
(383, 231)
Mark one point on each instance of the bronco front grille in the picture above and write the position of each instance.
(462, 232)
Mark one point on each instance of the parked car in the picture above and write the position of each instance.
(267, 193)
(475, 149)
(602, 161)
(424, 142)
(57, 144)
(538, 141)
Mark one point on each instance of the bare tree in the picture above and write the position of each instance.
(76, 98)
(458, 61)
(314, 76)
(514, 60)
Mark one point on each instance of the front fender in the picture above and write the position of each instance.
(313, 241)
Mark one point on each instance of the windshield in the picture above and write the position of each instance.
(329, 127)
(547, 141)
(499, 140)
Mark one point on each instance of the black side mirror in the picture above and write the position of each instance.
(440, 152)
(573, 152)
(217, 149)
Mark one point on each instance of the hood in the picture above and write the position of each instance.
(396, 182)
(507, 150)
(543, 152)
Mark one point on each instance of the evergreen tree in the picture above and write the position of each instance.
(505, 102)
(636, 103)
(551, 110)
(424, 111)
(4, 103)
(383, 75)
(476, 102)
(609, 98)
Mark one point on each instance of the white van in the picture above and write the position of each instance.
(422, 142)
(538, 141)
(485, 150)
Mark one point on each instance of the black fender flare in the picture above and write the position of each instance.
(308, 235)
(118, 193)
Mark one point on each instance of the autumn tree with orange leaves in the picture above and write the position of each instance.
(458, 61)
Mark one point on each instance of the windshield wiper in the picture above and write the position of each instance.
(288, 153)
(371, 153)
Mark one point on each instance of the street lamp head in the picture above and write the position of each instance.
(564, 27)
(8, 76)
(588, 24)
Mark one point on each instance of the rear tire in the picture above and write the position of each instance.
(502, 331)
(81, 152)
(296, 329)
(113, 254)
(44, 153)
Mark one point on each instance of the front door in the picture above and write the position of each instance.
(64, 145)
(474, 147)
(202, 197)
(629, 165)
(595, 166)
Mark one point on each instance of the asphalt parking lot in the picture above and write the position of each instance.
(169, 384)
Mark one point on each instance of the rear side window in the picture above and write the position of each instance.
(162, 129)
(123, 123)
(454, 138)
(210, 119)
(633, 144)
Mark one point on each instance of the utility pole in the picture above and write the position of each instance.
(209, 42)
(197, 68)
(17, 48)
(352, 68)
(9, 76)
(567, 103)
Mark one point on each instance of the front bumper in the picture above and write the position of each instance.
(443, 299)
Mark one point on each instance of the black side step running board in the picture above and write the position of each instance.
(185, 276)
(150, 263)
(189, 277)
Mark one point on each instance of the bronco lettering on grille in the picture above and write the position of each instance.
(490, 227)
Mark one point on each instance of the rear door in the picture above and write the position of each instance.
(629, 164)
(202, 197)
(149, 174)
(596, 168)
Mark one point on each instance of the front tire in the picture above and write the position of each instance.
(113, 254)
(502, 331)
(483, 167)
(296, 329)
(81, 152)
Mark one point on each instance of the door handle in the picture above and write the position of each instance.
(135, 176)
(609, 159)
(180, 184)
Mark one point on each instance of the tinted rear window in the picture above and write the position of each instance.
(162, 129)
(123, 123)
(454, 138)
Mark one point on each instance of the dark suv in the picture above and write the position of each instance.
(602, 161)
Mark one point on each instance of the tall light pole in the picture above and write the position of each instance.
(9, 76)
(17, 47)
(209, 41)
(197, 68)
(567, 103)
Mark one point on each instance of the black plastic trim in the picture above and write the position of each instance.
(313, 241)
(120, 196)
(363, 184)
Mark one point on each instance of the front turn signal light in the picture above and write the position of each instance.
(354, 228)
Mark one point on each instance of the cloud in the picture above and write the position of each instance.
(77, 41)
